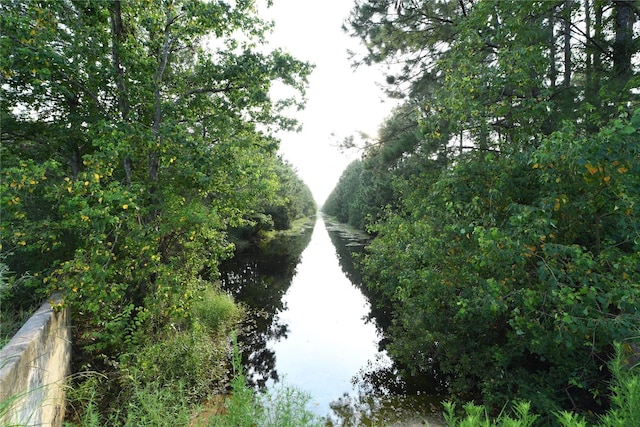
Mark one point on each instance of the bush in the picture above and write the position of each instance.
(625, 395)
(16, 303)
(215, 311)
(513, 275)
(192, 352)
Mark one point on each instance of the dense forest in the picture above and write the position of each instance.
(503, 193)
(137, 146)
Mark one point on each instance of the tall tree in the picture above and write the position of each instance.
(521, 228)
(486, 61)
(133, 134)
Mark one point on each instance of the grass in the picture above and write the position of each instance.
(158, 403)
(11, 321)
(284, 406)
(147, 405)
(624, 411)
(14, 311)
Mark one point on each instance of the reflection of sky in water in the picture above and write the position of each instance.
(328, 341)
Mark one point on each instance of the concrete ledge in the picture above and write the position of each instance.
(33, 368)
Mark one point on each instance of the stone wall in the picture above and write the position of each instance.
(33, 368)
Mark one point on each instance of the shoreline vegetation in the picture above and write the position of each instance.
(166, 382)
(134, 154)
(503, 194)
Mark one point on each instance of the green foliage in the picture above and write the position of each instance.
(345, 201)
(625, 389)
(135, 134)
(188, 357)
(296, 200)
(215, 311)
(293, 198)
(169, 371)
(513, 275)
(497, 74)
(369, 186)
(476, 416)
(193, 351)
(16, 303)
(508, 252)
(133, 138)
(624, 406)
(149, 404)
(281, 407)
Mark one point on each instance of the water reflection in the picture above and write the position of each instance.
(258, 277)
(349, 246)
(313, 326)
(384, 392)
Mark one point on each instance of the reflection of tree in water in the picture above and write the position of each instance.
(258, 277)
(347, 244)
(385, 397)
(386, 393)
(350, 246)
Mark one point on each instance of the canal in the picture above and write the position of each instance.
(311, 327)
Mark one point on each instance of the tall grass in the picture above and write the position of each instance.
(624, 411)
(284, 406)
(7, 405)
(146, 405)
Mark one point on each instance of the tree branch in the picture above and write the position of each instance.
(227, 88)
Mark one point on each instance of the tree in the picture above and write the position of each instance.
(510, 167)
(490, 69)
(499, 274)
(133, 136)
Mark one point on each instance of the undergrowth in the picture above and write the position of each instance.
(15, 307)
(624, 410)
(284, 406)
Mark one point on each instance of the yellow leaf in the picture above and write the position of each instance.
(125, 206)
(592, 169)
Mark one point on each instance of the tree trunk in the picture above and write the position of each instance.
(598, 37)
(568, 67)
(117, 36)
(622, 49)
(588, 51)
(553, 71)
(154, 158)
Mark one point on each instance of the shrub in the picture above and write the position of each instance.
(625, 395)
(513, 275)
(214, 310)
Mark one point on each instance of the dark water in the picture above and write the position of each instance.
(313, 328)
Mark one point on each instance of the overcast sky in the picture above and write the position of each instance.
(341, 100)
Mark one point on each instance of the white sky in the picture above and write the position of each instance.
(341, 100)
